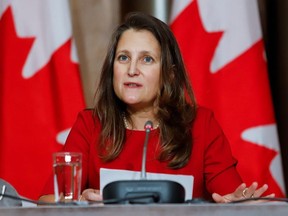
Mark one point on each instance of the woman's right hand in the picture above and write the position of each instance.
(91, 195)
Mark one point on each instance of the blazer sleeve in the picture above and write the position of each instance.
(220, 171)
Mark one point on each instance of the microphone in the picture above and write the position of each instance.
(148, 127)
(144, 191)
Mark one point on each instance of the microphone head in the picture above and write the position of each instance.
(148, 126)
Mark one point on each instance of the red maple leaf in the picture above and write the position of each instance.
(33, 111)
(238, 93)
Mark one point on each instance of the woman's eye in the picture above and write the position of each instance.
(122, 58)
(148, 59)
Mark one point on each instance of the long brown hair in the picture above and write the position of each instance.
(176, 101)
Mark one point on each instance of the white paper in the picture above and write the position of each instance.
(111, 175)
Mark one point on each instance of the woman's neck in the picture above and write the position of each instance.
(139, 119)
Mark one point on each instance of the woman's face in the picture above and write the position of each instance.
(137, 64)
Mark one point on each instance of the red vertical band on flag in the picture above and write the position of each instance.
(36, 110)
(236, 88)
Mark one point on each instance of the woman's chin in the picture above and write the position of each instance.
(131, 100)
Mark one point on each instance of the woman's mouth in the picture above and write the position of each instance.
(132, 85)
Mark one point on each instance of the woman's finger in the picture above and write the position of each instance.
(91, 195)
(219, 199)
(238, 193)
(260, 191)
(250, 191)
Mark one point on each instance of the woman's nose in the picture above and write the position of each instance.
(133, 69)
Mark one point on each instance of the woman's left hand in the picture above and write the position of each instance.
(91, 195)
(242, 192)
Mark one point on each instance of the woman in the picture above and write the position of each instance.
(143, 78)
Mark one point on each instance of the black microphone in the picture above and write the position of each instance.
(144, 191)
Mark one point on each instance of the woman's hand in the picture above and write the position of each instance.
(242, 192)
(91, 195)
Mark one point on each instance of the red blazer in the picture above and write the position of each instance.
(211, 162)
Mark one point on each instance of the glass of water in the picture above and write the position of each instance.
(67, 168)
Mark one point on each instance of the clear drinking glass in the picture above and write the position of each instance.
(67, 168)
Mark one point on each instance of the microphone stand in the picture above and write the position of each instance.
(148, 126)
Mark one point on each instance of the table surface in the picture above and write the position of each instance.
(262, 209)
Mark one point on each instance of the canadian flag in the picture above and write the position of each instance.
(40, 89)
(223, 49)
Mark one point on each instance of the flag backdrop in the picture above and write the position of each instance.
(223, 49)
(40, 89)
